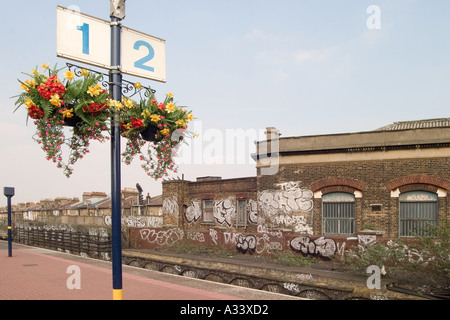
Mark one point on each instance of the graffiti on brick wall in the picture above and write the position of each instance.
(162, 237)
(321, 247)
(252, 209)
(170, 206)
(278, 206)
(214, 235)
(196, 236)
(246, 243)
(264, 243)
(225, 211)
(138, 221)
(193, 212)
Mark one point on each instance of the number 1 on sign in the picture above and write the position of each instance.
(85, 30)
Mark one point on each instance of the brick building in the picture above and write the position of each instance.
(394, 181)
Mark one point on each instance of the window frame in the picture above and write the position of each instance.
(345, 203)
(417, 201)
(206, 214)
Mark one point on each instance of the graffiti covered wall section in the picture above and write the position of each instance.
(258, 243)
(289, 206)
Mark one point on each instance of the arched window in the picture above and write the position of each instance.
(417, 210)
(338, 213)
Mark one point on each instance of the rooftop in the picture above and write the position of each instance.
(417, 124)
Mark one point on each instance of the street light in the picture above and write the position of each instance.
(115, 78)
(9, 193)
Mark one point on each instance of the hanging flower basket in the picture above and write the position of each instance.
(54, 104)
(150, 133)
(154, 131)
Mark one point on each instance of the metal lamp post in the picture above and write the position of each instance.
(117, 14)
(9, 193)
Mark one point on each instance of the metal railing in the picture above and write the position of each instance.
(94, 246)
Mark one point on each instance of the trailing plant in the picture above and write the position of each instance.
(54, 104)
(82, 105)
(167, 124)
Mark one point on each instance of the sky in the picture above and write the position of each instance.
(305, 67)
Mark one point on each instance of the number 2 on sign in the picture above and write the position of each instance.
(137, 45)
(151, 54)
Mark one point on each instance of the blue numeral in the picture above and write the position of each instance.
(151, 54)
(85, 29)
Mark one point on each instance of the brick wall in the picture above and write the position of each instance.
(190, 195)
(373, 181)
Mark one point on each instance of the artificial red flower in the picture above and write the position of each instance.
(137, 123)
(35, 113)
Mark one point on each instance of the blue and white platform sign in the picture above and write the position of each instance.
(87, 39)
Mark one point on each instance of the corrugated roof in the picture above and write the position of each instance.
(417, 124)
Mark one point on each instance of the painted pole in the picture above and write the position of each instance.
(9, 193)
(117, 14)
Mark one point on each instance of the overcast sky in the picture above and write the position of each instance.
(306, 67)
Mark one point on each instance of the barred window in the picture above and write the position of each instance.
(418, 209)
(338, 213)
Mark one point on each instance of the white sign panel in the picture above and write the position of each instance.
(143, 55)
(87, 39)
(83, 38)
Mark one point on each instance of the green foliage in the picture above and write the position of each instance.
(289, 258)
(425, 255)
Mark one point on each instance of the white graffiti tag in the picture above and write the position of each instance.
(193, 212)
(170, 206)
(162, 237)
(225, 211)
(320, 247)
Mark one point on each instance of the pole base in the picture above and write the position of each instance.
(117, 294)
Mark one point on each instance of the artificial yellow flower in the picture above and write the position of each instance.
(69, 75)
(24, 87)
(115, 104)
(29, 103)
(34, 71)
(55, 100)
(170, 107)
(127, 126)
(128, 102)
(155, 117)
(84, 72)
(94, 91)
(196, 134)
(146, 114)
(165, 132)
(30, 83)
(138, 85)
(180, 123)
(190, 116)
(170, 95)
(45, 66)
(67, 113)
